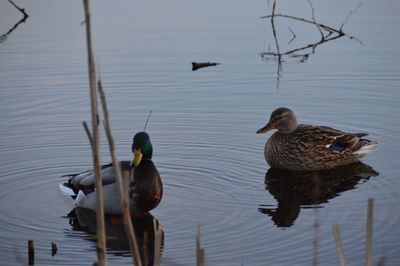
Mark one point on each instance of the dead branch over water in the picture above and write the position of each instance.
(327, 34)
(20, 9)
(22, 20)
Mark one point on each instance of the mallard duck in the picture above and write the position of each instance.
(140, 178)
(308, 148)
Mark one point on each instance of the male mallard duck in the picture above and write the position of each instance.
(143, 183)
(308, 148)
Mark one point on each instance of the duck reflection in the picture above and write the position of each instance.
(296, 190)
(145, 226)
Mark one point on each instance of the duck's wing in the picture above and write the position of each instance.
(86, 180)
(339, 141)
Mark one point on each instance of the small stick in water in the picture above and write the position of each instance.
(53, 249)
(196, 65)
(31, 252)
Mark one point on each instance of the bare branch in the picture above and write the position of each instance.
(327, 28)
(20, 9)
(313, 18)
(294, 35)
(352, 12)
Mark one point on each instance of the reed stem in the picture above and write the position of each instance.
(339, 245)
(31, 252)
(123, 195)
(370, 214)
(101, 239)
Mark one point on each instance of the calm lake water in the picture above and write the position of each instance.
(203, 126)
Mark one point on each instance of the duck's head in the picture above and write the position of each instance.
(283, 119)
(141, 148)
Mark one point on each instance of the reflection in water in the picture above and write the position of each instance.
(85, 220)
(295, 190)
(3, 37)
(22, 10)
(302, 52)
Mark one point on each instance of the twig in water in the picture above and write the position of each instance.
(294, 35)
(22, 10)
(279, 56)
(54, 249)
(31, 252)
(313, 18)
(350, 14)
(196, 65)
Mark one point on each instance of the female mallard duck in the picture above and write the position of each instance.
(140, 178)
(308, 148)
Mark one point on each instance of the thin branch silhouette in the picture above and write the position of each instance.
(327, 33)
(294, 35)
(22, 10)
(313, 18)
(4, 36)
(352, 12)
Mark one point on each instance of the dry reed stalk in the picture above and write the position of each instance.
(101, 239)
(31, 252)
(339, 245)
(199, 250)
(123, 195)
(370, 213)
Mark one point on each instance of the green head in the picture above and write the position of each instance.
(141, 148)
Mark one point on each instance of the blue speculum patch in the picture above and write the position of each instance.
(336, 148)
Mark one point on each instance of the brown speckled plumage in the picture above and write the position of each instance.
(305, 147)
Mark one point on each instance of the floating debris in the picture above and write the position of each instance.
(196, 65)
(53, 249)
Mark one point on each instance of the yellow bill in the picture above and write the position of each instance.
(137, 157)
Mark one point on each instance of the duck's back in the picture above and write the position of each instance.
(306, 148)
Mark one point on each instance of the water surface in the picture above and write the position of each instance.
(202, 127)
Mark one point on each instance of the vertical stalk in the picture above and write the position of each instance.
(370, 214)
(339, 245)
(200, 257)
(31, 252)
(123, 195)
(101, 240)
